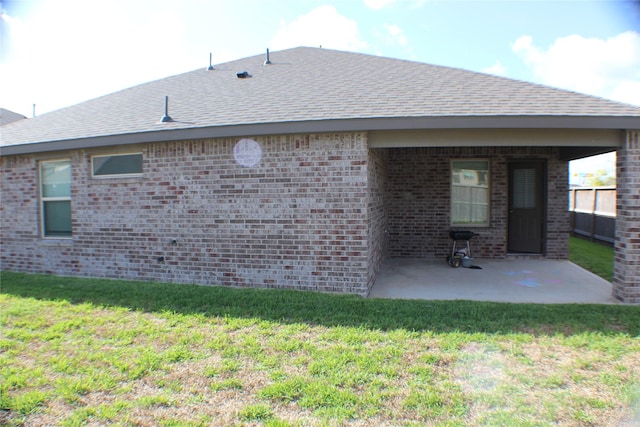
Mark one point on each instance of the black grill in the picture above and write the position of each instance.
(461, 235)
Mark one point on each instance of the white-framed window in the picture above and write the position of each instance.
(470, 192)
(116, 165)
(55, 198)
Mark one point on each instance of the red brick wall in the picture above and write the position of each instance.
(626, 267)
(298, 219)
(319, 212)
(377, 221)
(419, 201)
(19, 213)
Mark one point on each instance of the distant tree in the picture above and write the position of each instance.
(600, 178)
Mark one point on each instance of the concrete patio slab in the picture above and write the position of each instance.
(516, 281)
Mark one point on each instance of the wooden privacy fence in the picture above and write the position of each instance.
(593, 212)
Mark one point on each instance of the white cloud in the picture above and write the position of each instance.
(381, 4)
(378, 4)
(395, 35)
(9, 26)
(609, 68)
(627, 91)
(63, 55)
(323, 26)
(497, 69)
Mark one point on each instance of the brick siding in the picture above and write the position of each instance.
(319, 212)
(419, 201)
(626, 268)
(19, 214)
(378, 221)
(296, 220)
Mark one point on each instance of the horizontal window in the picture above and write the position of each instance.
(55, 198)
(470, 192)
(116, 165)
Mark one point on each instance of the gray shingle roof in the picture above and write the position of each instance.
(8, 116)
(316, 89)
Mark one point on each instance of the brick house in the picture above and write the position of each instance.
(306, 171)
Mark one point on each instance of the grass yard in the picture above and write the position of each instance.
(76, 352)
(592, 256)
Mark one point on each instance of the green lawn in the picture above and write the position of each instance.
(77, 352)
(595, 257)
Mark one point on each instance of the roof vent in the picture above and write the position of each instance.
(243, 75)
(166, 118)
(210, 67)
(268, 61)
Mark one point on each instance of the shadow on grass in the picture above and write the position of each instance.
(329, 310)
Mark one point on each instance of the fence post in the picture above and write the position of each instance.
(572, 199)
(594, 205)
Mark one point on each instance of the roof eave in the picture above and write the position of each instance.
(332, 125)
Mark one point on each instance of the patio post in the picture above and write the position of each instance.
(626, 268)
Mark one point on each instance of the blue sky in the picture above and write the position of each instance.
(56, 53)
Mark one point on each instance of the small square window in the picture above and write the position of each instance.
(116, 165)
(470, 192)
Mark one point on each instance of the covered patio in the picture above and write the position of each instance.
(508, 185)
(541, 281)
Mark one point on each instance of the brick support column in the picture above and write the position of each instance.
(626, 268)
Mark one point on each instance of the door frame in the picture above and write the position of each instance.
(543, 182)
